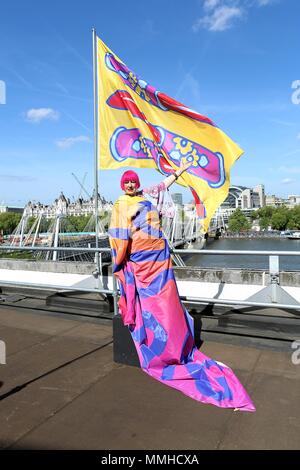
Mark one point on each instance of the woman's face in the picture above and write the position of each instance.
(130, 187)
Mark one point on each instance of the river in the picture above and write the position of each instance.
(286, 263)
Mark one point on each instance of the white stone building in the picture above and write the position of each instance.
(64, 206)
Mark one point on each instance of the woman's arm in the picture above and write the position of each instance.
(172, 178)
(156, 190)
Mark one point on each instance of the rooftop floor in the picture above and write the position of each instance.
(60, 389)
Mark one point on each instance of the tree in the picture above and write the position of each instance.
(8, 222)
(254, 215)
(238, 222)
(264, 223)
(74, 223)
(294, 218)
(265, 212)
(280, 219)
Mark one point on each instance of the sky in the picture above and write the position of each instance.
(235, 61)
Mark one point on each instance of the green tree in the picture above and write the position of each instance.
(30, 222)
(254, 215)
(238, 222)
(294, 218)
(264, 223)
(74, 223)
(44, 225)
(265, 212)
(280, 218)
(8, 222)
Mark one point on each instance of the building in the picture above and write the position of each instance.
(241, 197)
(63, 205)
(16, 210)
(275, 201)
(293, 201)
(177, 199)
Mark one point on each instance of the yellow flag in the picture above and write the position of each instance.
(142, 127)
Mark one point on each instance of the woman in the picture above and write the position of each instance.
(161, 328)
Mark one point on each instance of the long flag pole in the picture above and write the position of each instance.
(96, 146)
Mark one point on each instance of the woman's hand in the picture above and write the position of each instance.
(183, 167)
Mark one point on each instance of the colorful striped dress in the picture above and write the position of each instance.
(160, 326)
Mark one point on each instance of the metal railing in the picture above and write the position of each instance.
(273, 271)
(99, 290)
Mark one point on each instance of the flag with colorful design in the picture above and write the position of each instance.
(142, 127)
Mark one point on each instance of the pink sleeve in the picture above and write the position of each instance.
(153, 191)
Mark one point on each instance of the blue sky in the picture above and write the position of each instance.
(232, 60)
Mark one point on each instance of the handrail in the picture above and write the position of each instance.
(239, 252)
(190, 300)
(246, 303)
(53, 248)
(175, 250)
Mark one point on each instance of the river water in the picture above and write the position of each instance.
(286, 263)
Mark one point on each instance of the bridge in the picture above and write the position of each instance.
(183, 229)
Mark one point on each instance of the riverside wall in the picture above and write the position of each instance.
(187, 273)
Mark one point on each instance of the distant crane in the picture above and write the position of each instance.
(81, 184)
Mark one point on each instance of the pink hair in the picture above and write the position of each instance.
(130, 175)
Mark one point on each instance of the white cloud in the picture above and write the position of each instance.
(221, 15)
(210, 4)
(221, 19)
(18, 178)
(290, 169)
(263, 3)
(37, 115)
(68, 142)
(287, 181)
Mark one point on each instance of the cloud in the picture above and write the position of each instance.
(210, 4)
(282, 123)
(68, 142)
(221, 15)
(37, 115)
(263, 3)
(289, 169)
(290, 153)
(287, 181)
(189, 86)
(220, 19)
(17, 178)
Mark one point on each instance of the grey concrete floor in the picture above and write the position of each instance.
(60, 389)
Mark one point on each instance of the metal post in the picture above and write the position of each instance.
(274, 276)
(37, 229)
(115, 295)
(56, 236)
(172, 240)
(24, 220)
(96, 147)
